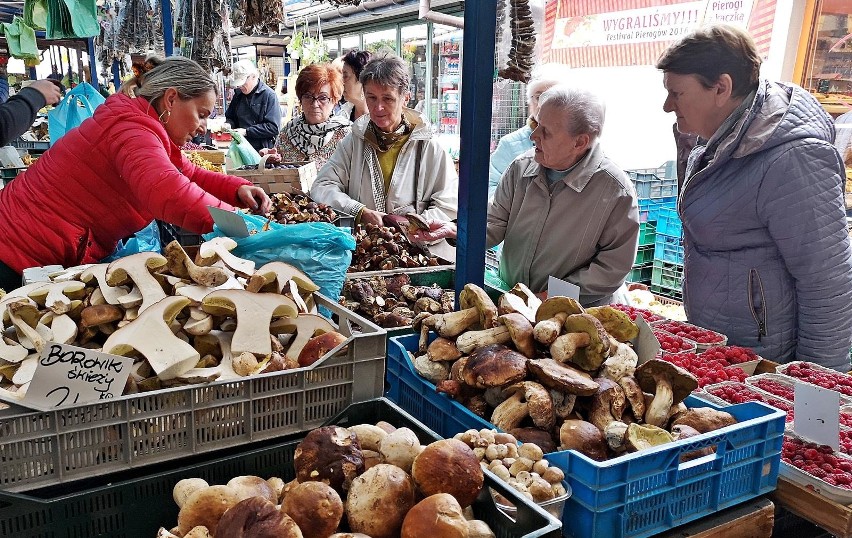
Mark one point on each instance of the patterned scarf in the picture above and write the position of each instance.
(311, 138)
(381, 141)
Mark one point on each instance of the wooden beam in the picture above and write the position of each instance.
(807, 504)
(752, 519)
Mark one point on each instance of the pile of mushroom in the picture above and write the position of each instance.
(184, 321)
(365, 481)
(552, 372)
(392, 301)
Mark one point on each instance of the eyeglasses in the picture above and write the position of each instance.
(321, 99)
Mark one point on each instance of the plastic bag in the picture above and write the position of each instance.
(241, 151)
(319, 249)
(77, 105)
(145, 240)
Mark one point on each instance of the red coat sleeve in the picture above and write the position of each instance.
(160, 189)
(222, 186)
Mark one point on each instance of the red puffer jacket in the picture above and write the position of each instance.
(102, 182)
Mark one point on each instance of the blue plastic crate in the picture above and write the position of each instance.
(634, 495)
(668, 222)
(649, 209)
(668, 248)
(653, 186)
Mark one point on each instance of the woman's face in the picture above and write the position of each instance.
(352, 90)
(385, 105)
(317, 105)
(555, 147)
(188, 117)
(694, 105)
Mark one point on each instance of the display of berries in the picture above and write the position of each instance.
(777, 388)
(736, 393)
(828, 379)
(818, 461)
(846, 442)
(707, 371)
(730, 354)
(691, 332)
(632, 311)
(670, 343)
(846, 419)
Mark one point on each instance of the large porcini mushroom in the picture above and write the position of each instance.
(562, 377)
(438, 515)
(443, 350)
(256, 517)
(616, 323)
(184, 489)
(591, 356)
(670, 385)
(607, 404)
(150, 335)
(205, 508)
(644, 436)
(550, 317)
(379, 499)
(521, 332)
(448, 466)
(137, 269)
(682, 431)
(59, 297)
(471, 340)
(181, 266)
(704, 419)
(530, 299)
(330, 454)
(539, 403)
(273, 277)
(318, 346)
(476, 306)
(97, 272)
(494, 366)
(565, 346)
(315, 507)
(254, 313)
(584, 437)
(32, 334)
(512, 304)
(219, 248)
(306, 326)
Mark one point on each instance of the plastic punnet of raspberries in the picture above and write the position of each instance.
(730, 354)
(739, 392)
(670, 343)
(828, 379)
(818, 461)
(632, 311)
(777, 388)
(691, 332)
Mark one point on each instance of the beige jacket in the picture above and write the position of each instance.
(345, 181)
(586, 232)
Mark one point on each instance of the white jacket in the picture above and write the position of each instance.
(345, 183)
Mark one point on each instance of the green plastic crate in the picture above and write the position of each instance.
(641, 275)
(647, 234)
(667, 275)
(669, 293)
(644, 256)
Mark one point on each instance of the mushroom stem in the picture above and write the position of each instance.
(658, 411)
(452, 324)
(565, 346)
(476, 339)
(548, 330)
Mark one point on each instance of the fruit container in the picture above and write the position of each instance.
(818, 375)
(734, 392)
(792, 472)
(846, 416)
(673, 344)
(554, 506)
(637, 494)
(633, 311)
(731, 355)
(134, 504)
(703, 338)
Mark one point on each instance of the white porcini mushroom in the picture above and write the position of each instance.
(137, 268)
(31, 333)
(60, 297)
(219, 248)
(254, 313)
(26, 369)
(110, 294)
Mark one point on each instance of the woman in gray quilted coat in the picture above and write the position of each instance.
(767, 254)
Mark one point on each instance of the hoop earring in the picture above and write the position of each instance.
(168, 117)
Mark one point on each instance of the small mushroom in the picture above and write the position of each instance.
(566, 346)
(442, 349)
(670, 385)
(539, 404)
(476, 306)
(550, 318)
(681, 432)
(584, 437)
(306, 326)
(219, 248)
(60, 297)
(181, 266)
(705, 419)
(635, 397)
(619, 364)
(32, 334)
(273, 277)
(521, 332)
(318, 346)
(591, 356)
(607, 404)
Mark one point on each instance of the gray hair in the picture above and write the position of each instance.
(387, 70)
(187, 77)
(585, 109)
(548, 75)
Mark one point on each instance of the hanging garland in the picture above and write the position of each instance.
(202, 32)
(261, 16)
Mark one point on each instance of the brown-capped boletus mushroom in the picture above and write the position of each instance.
(607, 404)
(617, 323)
(330, 454)
(584, 437)
(635, 397)
(315, 507)
(476, 308)
(510, 303)
(550, 317)
(256, 517)
(521, 332)
(681, 432)
(670, 385)
(448, 466)
(645, 436)
(378, 501)
(591, 356)
(441, 349)
(205, 507)
(525, 398)
(705, 419)
(494, 366)
(536, 436)
(562, 377)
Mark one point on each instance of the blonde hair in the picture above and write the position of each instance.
(184, 75)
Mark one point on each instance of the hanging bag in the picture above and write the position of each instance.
(241, 152)
(77, 105)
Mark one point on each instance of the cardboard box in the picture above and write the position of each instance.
(275, 180)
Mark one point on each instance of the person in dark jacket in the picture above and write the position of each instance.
(19, 112)
(767, 258)
(254, 109)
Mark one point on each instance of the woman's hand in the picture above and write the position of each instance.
(368, 216)
(255, 199)
(274, 156)
(437, 230)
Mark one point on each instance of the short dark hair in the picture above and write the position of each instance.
(356, 60)
(712, 51)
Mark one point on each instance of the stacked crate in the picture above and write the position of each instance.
(667, 272)
(656, 189)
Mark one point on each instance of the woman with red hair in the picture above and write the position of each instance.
(313, 134)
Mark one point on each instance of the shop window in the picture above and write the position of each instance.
(828, 65)
(350, 42)
(414, 41)
(446, 64)
(381, 42)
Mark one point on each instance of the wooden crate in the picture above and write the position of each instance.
(276, 180)
(215, 157)
(807, 504)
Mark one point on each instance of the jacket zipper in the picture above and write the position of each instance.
(760, 318)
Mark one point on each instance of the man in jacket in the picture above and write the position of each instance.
(254, 108)
(767, 255)
(564, 209)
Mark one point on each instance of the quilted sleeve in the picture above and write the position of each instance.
(801, 202)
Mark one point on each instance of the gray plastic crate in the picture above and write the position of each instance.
(45, 448)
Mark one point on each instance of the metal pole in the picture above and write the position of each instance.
(93, 65)
(168, 30)
(116, 75)
(477, 73)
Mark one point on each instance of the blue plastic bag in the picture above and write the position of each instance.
(319, 249)
(145, 240)
(77, 105)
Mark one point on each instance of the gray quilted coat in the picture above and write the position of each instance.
(767, 255)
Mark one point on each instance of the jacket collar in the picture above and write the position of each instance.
(579, 176)
(421, 130)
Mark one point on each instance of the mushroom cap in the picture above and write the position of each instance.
(442, 349)
(379, 499)
(644, 436)
(205, 507)
(561, 377)
(256, 517)
(318, 346)
(521, 332)
(92, 316)
(330, 454)
(539, 403)
(281, 272)
(592, 356)
(584, 437)
(472, 296)
(617, 323)
(704, 419)
(252, 486)
(681, 380)
(315, 507)
(436, 515)
(449, 466)
(494, 366)
(554, 305)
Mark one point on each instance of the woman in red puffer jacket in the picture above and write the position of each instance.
(115, 173)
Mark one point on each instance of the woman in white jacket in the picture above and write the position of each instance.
(389, 165)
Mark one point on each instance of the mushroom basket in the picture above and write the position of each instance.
(636, 494)
(137, 502)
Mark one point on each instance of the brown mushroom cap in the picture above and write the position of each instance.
(449, 466)
(438, 515)
(256, 517)
(561, 377)
(205, 507)
(704, 419)
(378, 501)
(494, 366)
(592, 356)
(539, 403)
(584, 437)
(681, 380)
(536, 436)
(329, 454)
(554, 305)
(521, 332)
(442, 349)
(318, 346)
(472, 296)
(315, 507)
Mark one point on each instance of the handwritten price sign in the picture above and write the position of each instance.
(68, 375)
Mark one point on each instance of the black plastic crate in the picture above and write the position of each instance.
(135, 504)
(170, 232)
